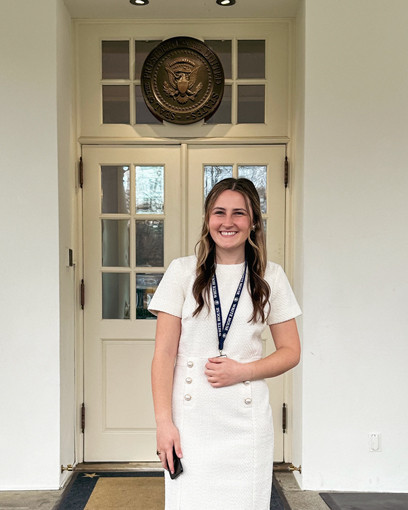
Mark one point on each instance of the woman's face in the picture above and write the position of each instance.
(230, 223)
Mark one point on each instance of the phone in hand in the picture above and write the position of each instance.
(178, 468)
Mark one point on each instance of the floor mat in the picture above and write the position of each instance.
(139, 490)
(365, 501)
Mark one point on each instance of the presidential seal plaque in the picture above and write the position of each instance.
(182, 81)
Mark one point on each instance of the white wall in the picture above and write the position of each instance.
(67, 233)
(29, 272)
(355, 283)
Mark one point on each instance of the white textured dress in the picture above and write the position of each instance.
(226, 433)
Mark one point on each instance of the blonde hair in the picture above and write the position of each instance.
(255, 249)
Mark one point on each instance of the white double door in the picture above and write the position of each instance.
(143, 207)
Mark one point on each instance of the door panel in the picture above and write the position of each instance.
(264, 166)
(131, 203)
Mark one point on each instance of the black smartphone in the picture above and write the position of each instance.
(178, 468)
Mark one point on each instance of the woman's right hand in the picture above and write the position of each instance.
(168, 436)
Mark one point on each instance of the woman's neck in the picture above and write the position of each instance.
(222, 257)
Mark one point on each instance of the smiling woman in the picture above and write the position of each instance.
(214, 410)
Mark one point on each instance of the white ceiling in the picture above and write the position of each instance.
(181, 9)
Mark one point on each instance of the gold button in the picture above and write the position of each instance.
(248, 401)
(187, 397)
(190, 364)
(189, 380)
(247, 382)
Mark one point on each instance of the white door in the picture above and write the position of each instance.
(139, 214)
(263, 165)
(132, 231)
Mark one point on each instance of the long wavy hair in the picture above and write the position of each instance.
(255, 250)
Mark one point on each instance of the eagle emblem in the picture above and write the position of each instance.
(182, 74)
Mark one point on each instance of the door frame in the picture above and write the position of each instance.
(288, 266)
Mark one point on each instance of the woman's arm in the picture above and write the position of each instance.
(168, 331)
(224, 371)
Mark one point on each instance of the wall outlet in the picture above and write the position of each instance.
(374, 442)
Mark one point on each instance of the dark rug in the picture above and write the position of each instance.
(142, 490)
(365, 501)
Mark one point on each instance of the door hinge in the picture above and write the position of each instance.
(83, 417)
(284, 417)
(286, 172)
(82, 294)
(81, 172)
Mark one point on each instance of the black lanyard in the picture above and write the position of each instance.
(222, 331)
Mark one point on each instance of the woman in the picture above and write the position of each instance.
(210, 397)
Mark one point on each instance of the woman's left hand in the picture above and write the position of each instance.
(225, 372)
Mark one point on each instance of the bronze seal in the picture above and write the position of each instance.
(182, 81)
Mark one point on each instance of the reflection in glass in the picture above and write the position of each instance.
(223, 51)
(115, 243)
(256, 174)
(150, 243)
(115, 296)
(149, 189)
(116, 109)
(146, 284)
(223, 113)
(251, 59)
(115, 194)
(214, 174)
(115, 60)
(142, 49)
(143, 114)
(251, 104)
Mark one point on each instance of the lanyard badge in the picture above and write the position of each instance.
(222, 331)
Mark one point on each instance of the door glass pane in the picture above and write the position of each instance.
(143, 114)
(115, 193)
(251, 59)
(214, 174)
(223, 51)
(115, 243)
(115, 296)
(251, 104)
(116, 109)
(223, 113)
(150, 243)
(149, 189)
(115, 60)
(146, 284)
(142, 49)
(256, 174)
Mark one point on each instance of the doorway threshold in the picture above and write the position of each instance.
(118, 466)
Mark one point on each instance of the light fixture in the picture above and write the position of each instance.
(226, 3)
(139, 2)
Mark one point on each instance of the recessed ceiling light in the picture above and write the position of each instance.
(225, 3)
(139, 2)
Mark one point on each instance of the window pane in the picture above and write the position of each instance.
(223, 51)
(149, 189)
(115, 243)
(115, 59)
(115, 193)
(214, 174)
(116, 109)
(150, 243)
(251, 59)
(142, 49)
(146, 284)
(143, 114)
(256, 174)
(115, 296)
(251, 104)
(223, 113)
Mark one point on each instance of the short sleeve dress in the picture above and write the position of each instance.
(226, 433)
